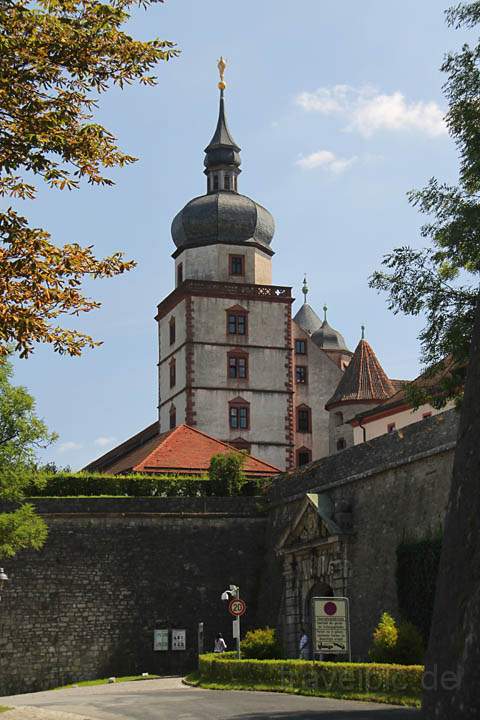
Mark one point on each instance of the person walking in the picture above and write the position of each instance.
(304, 645)
(220, 644)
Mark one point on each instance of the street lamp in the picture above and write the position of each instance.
(3, 579)
(227, 595)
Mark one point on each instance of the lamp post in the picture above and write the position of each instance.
(3, 580)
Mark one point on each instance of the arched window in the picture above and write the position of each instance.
(226, 182)
(304, 419)
(338, 418)
(173, 417)
(341, 444)
(239, 414)
(173, 372)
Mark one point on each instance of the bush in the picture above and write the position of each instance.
(315, 677)
(226, 473)
(403, 645)
(385, 637)
(135, 485)
(261, 644)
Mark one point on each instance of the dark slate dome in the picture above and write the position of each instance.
(329, 339)
(222, 217)
(308, 319)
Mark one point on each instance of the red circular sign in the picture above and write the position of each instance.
(237, 607)
(330, 608)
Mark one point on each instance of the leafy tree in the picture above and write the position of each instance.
(441, 280)
(21, 434)
(226, 473)
(58, 57)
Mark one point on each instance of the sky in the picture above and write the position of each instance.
(338, 109)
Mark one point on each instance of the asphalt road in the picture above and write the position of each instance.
(168, 699)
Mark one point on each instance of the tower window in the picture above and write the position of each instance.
(172, 330)
(173, 417)
(237, 366)
(215, 182)
(301, 374)
(237, 324)
(338, 419)
(391, 427)
(341, 444)
(179, 273)
(239, 414)
(304, 456)
(300, 347)
(304, 420)
(226, 182)
(173, 372)
(237, 264)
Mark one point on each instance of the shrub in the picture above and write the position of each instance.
(385, 638)
(317, 677)
(410, 648)
(391, 644)
(261, 644)
(226, 473)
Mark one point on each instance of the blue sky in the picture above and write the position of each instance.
(338, 110)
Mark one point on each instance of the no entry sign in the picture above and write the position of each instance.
(237, 607)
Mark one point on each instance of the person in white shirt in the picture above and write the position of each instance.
(220, 644)
(304, 645)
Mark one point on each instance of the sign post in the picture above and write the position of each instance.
(331, 626)
(237, 607)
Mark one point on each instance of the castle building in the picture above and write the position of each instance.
(232, 362)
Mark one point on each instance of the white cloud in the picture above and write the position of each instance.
(103, 441)
(68, 446)
(327, 160)
(367, 111)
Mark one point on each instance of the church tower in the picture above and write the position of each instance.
(225, 332)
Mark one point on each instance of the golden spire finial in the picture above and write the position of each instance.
(222, 64)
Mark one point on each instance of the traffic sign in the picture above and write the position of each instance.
(237, 607)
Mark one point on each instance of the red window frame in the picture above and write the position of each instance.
(307, 456)
(237, 365)
(304, 413)
(300, 343)
(239, 415)
(391, 427)
(237, 321)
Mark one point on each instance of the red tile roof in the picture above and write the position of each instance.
(183, 450)
(364, 380)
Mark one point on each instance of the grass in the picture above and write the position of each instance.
(104, 681)
(195, 680)
(4, 709)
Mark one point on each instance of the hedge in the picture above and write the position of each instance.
(96, 484)
(395, 680)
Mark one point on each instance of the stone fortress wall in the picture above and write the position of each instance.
(113, 570)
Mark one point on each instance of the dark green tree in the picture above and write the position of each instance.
(226, 473)
(441, 281)
(22, 433)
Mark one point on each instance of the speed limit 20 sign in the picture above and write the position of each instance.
(237, 607)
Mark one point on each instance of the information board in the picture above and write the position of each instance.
(331, 625)
(160, 640)
(179, 639)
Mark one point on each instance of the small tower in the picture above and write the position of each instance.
(364, 384)
(306, 317)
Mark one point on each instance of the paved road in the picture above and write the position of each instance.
(168, 699)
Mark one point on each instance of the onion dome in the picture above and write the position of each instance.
(223, 215)
(327, 337)
(364, 380)
(306, 317)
